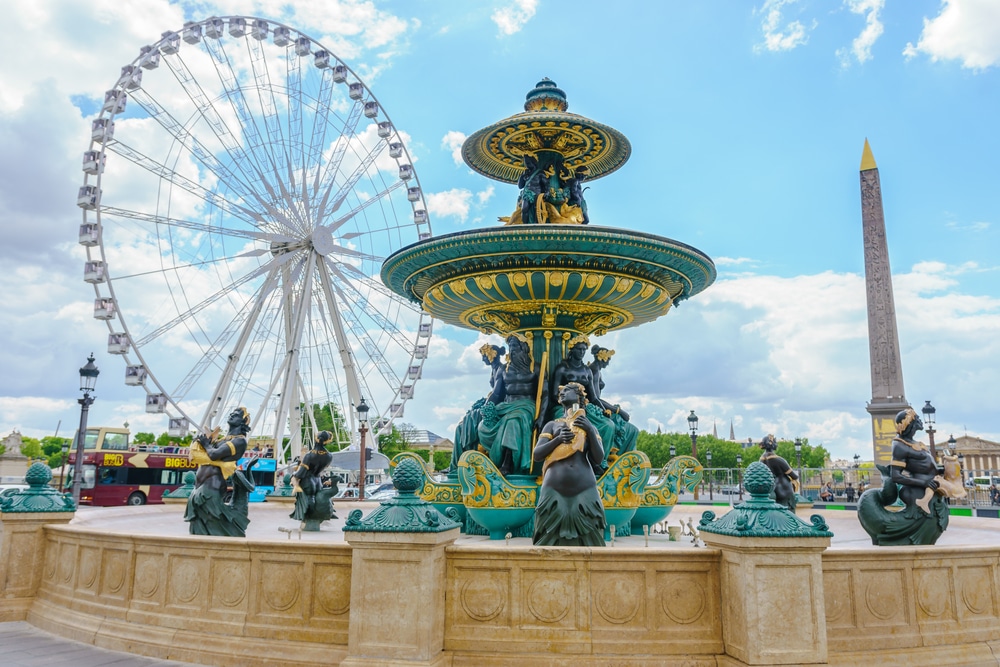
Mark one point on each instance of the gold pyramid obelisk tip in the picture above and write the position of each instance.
(867, 159)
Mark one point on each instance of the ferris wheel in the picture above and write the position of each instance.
(241, 189)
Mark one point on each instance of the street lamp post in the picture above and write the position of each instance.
(362, 410)
(739, 473)
(673, 451)
(798, 461)
(88, 379)
(693, 427)
(62, 469)
(857, 473)
(929, 411)
(708, 457)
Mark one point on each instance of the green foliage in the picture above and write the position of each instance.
(143, 438)
(328, 418)
(53, 445)
(657, 447)
(397, 440)
(32, 448)
(442, 459)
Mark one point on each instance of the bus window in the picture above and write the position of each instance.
(90, 440)
(116, 442)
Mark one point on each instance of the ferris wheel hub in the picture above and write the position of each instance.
(322, 240)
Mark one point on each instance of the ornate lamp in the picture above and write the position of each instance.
(362, 409)
(88, 380)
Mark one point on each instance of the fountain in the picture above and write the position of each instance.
(546, 280)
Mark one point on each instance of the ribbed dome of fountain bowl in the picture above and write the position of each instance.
(576, 277)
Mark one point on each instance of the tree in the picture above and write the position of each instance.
(327, 418)
(143, 438)
(32, 448)
(52, 448)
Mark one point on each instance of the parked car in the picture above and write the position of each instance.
(730, 490)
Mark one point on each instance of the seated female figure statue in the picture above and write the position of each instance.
(509, 412)
(569, 510)
(573, 369)
(467, 431)
(626, 433)
(312, 501)
(913, 478)
(784, 492)
(207, 511)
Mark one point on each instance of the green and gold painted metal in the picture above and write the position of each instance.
(659, 498)
(441, 495)
(498, 151)
(580, 279)
(621, 487)
(493, 502)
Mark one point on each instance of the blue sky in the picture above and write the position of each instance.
(747, 122)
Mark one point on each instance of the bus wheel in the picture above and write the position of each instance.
(136, 498)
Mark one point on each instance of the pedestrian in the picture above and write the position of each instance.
(849, 493)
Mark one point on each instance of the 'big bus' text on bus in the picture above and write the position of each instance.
(116, 474)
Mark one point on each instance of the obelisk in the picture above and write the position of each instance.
(883, 339)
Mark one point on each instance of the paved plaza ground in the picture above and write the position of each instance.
(270, 521)
(26, 646)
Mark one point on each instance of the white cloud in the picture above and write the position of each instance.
(733, 261)
(453, 141)
(485, 195)
(513, 17)
(780, 36)
(454, 202)
(861, 47)
(965, 30)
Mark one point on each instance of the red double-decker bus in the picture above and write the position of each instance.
(116, 474)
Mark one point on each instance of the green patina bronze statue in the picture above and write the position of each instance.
(784, 491)
(913, 477)
(626, 433)
(569, 510)
(208, 513)
(573, 369)
(509, 412)
(467, 431)
(313, 500)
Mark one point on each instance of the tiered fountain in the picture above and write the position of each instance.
(546, 280)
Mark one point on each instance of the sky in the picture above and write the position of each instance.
(747, 123)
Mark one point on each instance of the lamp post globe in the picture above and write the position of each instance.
(673, 451)
(88, 380)
(362, 409)
(798, 457)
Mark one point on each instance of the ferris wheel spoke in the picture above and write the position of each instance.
(351, 294)
(324, 101)
(197, 226)
(244, 322)
(323, 181)
(190, 142)
(373, 350)
(336, 224)
(296, 314)
(296, 150)
(169, 175)
(238, 103)
(234, 147)
(349, 184)
(347, 357)
(197, 308)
